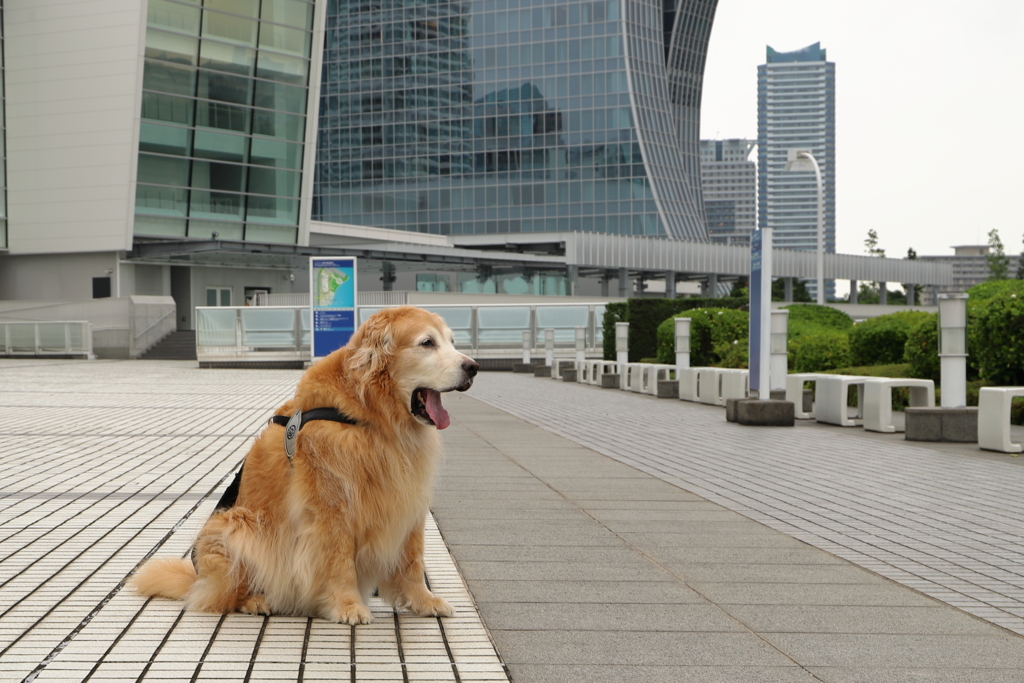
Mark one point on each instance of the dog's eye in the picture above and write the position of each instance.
(427, 342)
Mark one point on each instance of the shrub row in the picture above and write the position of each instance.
(645, 315)
(718, 336)
(822, 338)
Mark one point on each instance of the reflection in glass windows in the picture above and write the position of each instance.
(225, 86)
(497, 116)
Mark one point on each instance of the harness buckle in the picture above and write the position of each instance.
(291, 433)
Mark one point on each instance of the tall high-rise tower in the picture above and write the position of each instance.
(796, 109)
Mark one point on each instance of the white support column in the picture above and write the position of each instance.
(953, 349)
(622, 345)
(682, 330)
(779, 350)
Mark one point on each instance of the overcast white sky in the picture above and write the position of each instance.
(929, 111)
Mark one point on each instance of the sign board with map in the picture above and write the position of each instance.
(332, 297)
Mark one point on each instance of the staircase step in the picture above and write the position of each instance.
(179, 345)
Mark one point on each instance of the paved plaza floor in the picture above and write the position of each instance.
(602, 536)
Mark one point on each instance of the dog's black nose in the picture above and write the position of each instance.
(471, 367)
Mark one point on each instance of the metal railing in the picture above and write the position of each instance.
(490, 331)
(496, 330)
(56, 338)
(258, 333)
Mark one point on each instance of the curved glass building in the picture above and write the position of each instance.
(505, 116)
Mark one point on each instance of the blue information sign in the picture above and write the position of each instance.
(332, 298)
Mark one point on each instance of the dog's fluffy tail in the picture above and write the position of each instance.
(165, 577)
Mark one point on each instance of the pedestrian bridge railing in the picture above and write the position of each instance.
(52, 338)
(484, 331)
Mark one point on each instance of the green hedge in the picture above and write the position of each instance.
(715, 335)
(645, 315)
(999, 338)
(922, 348)
(819, 348)
(613, 313)
(883, 340)
(812, 314)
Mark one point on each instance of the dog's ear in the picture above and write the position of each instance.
(373, 347)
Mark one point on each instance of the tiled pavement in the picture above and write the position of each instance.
(686, 555)
(949, 523)
(105, 463)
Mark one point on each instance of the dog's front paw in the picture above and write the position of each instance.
(255, 604)
(432, 606)
(354, 613)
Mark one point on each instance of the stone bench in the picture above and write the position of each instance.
(592, 371)
(831, 406)
(688, 378)
(709, 388)
(733, 384)
(877, 405)
(794, 392)
(652, 374)
(994, 418)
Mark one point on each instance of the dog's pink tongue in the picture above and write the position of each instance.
(435, 410)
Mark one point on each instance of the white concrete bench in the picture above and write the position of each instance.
(733, 384)
(795, 392)
(831, 407)
(651, 374)
(688, 383)
(994, 418)
(877, 405)
(594, 369)
(631, 377)
(709, 387)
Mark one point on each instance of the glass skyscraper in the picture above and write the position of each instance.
(504, 116)
(796, 109)
(225, 89)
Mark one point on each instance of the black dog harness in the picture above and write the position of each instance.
(292, 425)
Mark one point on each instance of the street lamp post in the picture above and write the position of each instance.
(803, 160)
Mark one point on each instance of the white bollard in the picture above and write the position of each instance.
(527, 345)
(953, 349)
(622, 345)
(581, 346)
(549, 347)
(682, 342)
(779, 358)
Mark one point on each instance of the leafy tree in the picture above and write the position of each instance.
(871, 247)
(998, 261)
(800, 292)
(739, 288)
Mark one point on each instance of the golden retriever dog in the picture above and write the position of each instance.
(316, 532)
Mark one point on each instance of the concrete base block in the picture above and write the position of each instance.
(523, 367)
(957, 425)
(569, 375)
(609, 381)
(730, 408)
(771, 413)
(541, 370)
(668, 388)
